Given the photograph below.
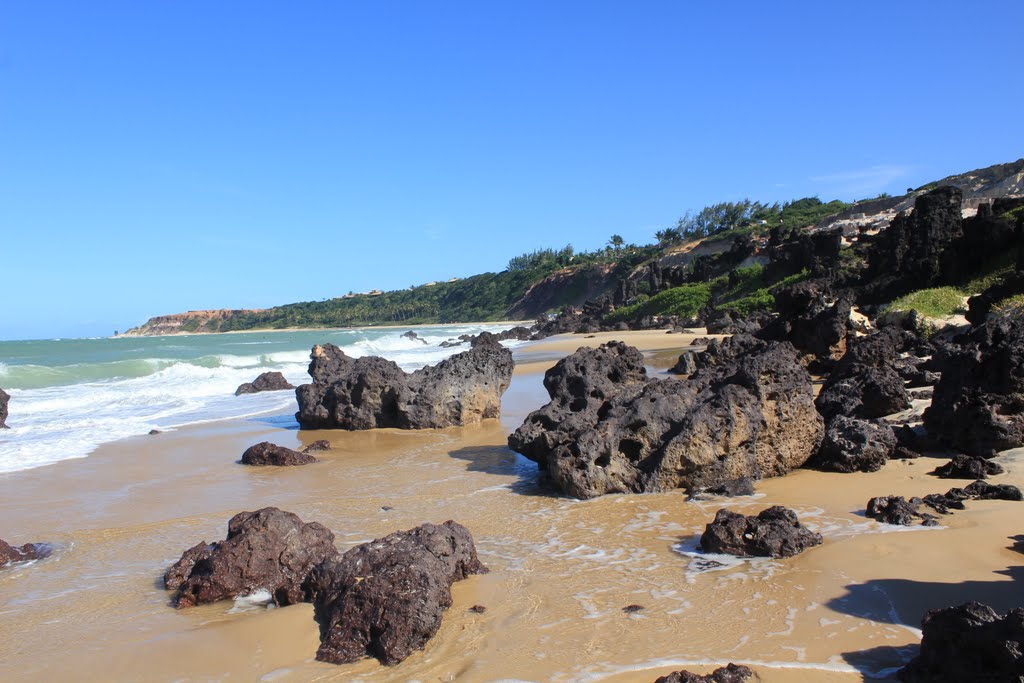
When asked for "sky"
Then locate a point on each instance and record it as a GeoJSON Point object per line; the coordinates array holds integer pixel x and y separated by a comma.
{"type": "Point", "coordinates": [158, 157]}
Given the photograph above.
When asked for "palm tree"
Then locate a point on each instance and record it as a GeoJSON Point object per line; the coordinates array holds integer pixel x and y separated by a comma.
{"type": "Point", "coordinates": [616, 242]}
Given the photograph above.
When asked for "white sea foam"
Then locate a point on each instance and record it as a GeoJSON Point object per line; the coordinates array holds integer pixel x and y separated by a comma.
{"type": "Point", "coordinates": [65, 410]}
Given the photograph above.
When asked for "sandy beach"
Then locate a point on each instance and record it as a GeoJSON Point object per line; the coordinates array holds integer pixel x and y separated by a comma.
{"type": "Point", "coordinates": [561, 569]}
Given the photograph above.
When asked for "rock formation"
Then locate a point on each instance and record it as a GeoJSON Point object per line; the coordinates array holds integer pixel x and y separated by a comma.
{"type": "Point", "coordinates": [774, 532]}
{"type": "Point", "coordinates": [318, 446]}
{"type": "Point", "coordinates": [412, 336]}
{"type": "Point", "coordinates": [22, 553]}
{"type": "Point", "coordinates": [609, 429]}
{"type": "Point", "coordinates": [978, 405]}
{"type": "Point", "coordinates": [268, 381]}
{"type": "Point", "coordinates": [733, 673]}
{"type": "Point", "coordinates": [371, 392]}
{"type": "Point", "coordinates": [854, 445]}
{"type": "Point", "coordinates": [385, 598]}
{"type": "Point", "coordinates": [970, 642]}
{"type": "Point", "coordinates": [967, 467]}
{"type": "Point", "coordinates": [269, 549]}
{"type": "Point", "coordinates": [4, 399]}
{"type": "Point", "coordinates": [811, 318]}
{"type": "Point", "coordinates": [266, 453]}
{"type": "Point", "coordinates": [899, 510]}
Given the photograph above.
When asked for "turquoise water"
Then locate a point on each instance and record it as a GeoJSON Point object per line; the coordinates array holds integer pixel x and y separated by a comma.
{"type": "Point", "coordinates": [68, 396]}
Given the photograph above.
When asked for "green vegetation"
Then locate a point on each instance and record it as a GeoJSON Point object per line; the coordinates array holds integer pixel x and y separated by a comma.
{"type": "Point", "coordinates": [752, 291]}
{"type": "Point", "coordinates": [683, 301]}
{"type": "Point", "coordinates": [939, 302]}
{"type": "Point", "coordinates": [1011, 308]}
{"type": "Point", "coordinates": [993, 273]}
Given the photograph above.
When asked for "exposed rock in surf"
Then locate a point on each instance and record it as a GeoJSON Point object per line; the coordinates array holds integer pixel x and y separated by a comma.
{"type": "Point", "coordinates": [978, 404]}
{"type": "Point", "coordinates": [608, 429]}
{"type": "Point", "coordinates": [899, 510]}
{"type": "Point", "coordinates": [412, 336]}
{"type": "Point", "coordinates": [266, 453]}
{"type": "Point", "coordinates": [4, 400]}
{"type": "Point", "coordinates": [266, 550]}
{"type": "Point", "coordinates": [969, 642]}
{"type": "Point", "coordinates": [371, 392]}
{"type": "Point", "coordinates": [318, 446]}
{"type": "Point", "coordinates": [268, 381]}
{"type": "Point", "coordinates": [967, 467]}
{"type": "Point", "coordinates": [744, 486]}
{"type": "Point", "coordinates": [22, 553]}
{"type": "Point", "coordinates": [733, 673]}
{"type": "Point", "coordinates": [775, 532]}
{"type": "Point", "coordinates": [854, 445]}
{"type": "Point", "coordinates": [385, 598]}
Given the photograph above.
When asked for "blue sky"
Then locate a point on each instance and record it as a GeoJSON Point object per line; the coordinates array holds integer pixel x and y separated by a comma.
{"type": "Point", "coordinates": [157, 157]}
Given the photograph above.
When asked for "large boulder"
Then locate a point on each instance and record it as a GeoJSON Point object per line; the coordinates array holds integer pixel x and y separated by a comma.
{"type": "Point", "coordinates": [21, 553]}
{"type": "Point", "coordinates": [266, 550]}
{"type": "Point", "coordinates": [854, 445]}
{"type": "Point", "coordinates": [266, 453]}
{"type": "Point", "coordinates": [774, 532]}
{"type": "Point", "coordinates": [978, 404]}
{"type": "Point", "coordinates": [4, 399]}
{"type": "Point", "coordinates": [811, 318]}
{"type": "Point", "coordinates": [372, 392]}
{"type": "Point", "coordinates": [268, 381]}
{"type": "Point", "coordinates": [733, 673]}
{"type": "Point", "coordinates": [967, 467]}
{"type": "Point", "coordinates": [970, 642]}
{"type": "Point", "coordinates": [609, 429]}
{"type": "Point", "coordinates": [385, 598]}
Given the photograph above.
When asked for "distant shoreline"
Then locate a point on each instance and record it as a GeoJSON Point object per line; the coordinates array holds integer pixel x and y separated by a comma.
{"type": "Point", "coordinates": [328, 329]}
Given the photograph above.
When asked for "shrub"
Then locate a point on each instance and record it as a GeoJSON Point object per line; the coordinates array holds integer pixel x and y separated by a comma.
{"type": "Point", "coordinates": [939, 302]}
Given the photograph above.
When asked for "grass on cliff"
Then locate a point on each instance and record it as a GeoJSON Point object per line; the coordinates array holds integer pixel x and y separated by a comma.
{"type": "Point", "coordinates": [940, 302]}
{"type": "Point", "coordinates": [1011, 308]}
{"type": "Point", "coordinates": [751, 290]}
{"type": "Point", "coordinates": [683, 301]}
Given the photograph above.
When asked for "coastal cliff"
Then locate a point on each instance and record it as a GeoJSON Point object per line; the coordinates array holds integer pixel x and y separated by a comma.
{"type": "Point", "coordinates": [186, 323]}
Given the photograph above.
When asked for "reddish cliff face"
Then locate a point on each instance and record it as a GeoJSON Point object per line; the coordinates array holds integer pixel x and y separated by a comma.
{"type": "Point", "coordinates": [185, 323]}
{"type": "Point", "coordinates": [566, 287]}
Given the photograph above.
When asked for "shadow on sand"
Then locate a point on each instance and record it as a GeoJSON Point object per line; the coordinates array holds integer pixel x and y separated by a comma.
{"type": "Point", "coordinates": [501, 460]}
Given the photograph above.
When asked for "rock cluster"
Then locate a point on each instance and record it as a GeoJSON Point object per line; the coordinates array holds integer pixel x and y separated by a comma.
{"type": "Point", "coordinates": [733, 673]}
{"type": "Point", "coordinates": [854, 445]}
{"type": "Point", "coordinates": [969, 642]}
{"type": "Point", "coordinates": [268, 381]}
{"type": "Point", "coordinates": [898, 510]}
{"type": "Point", "coordinates": [608, 428]}
{"type": "Point", "coordinates": [967, 467]}
{"type": "Point", "coordinates": [774, 532]}
{"type": "Point", "coordinates": [978, 405]}
{"type": "Point", "coordinates": [266, 550]}
{"type": "Point", "coordinates": [266, 453]}
{"type": "Point", "coordinates": [385, 598]}
{"type": "Point", "coordinates": [371, 392]}
{"type": "Point", "coordinates": [23, 553]}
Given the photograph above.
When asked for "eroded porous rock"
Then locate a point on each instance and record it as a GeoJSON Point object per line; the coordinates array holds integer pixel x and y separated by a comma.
{"type": "Point", "coordinates": [371, 392]}
{"type": "Point", "coordinates": [318, 446]}
{"type": "Point", "coordinates": [775, 532]}
{"type": "Point", "coordinates": [266, 453]}
{"type": "Point", "coordinates": [969, 642]}
{"type": "Point", "coordinates": [978, 404]}
{"type": "Point", "coordinates": [385, 598]}
{"type": "Point", "coordinates": [4, 400]}
{"type": "Point", "coordinates": [812, 318]}
{"type": "Point", "coordinates": [967, 467]}
{"type": "Point", "coordinates": [733, 673]}
{"type": "Point", "coordinates": [854, 445]}
{"type": "Point", "coordinates": [268, 381]}
{"type": "Point", "coordinates": [899, 510]}
{"type": "Point", "coordinates": [266, 550]}
{"type": "Point", "coordinates": [21, 553]}
{"type": "Point", "coordinates": [609, 429]}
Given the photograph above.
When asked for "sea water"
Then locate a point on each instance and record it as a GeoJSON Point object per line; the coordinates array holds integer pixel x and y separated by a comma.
{"type": "Point", "coordinates": [68, 396]}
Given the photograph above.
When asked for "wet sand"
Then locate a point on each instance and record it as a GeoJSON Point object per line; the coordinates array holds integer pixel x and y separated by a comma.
{"type": "Point", "coordinates": [561, 570]}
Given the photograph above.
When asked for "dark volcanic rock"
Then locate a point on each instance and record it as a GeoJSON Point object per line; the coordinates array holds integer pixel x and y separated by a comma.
{"type": "Point", "coordinates": [980, 305]}
{"type": "Point", "coordinates": [4, 399]}
{"type": "Point", "coordinates": [811, 319]}
{"type": "Point", "coordinates": [372, 392]}
{"type": "Point", "coordinates": [967, 467]}
{"type": "Point", "coordinates": [268, 381]}
{"type": "Point", "coordinates": [898, 510]}
{"type": "Point", "coordinates": [774, 532]}
{"type": "Point", "coordinates": [412, 336]}
{"type": "Point", "coordinates": [385, 598]}
{"type": "Point", "coordinates": [23, 553]}
{"type": "Point", "coordinates": [970, 642]}
{"type": "Point", "coordinates": [863, 391]}
{"type": "Point", "coordinates": [266, 453]}
{"type": "Point", "coordinates": [978, 405]}
{"type": "Point", "coordinates": [609, 429]}
{"type": "Point", "coordinates": [318, 446]}
{"type": "Point", "coordinates": [733, 673]}
{"type": "Point", "coordinates": [854, 445]}
{"type": "Point", "coordinates": [269, 550]}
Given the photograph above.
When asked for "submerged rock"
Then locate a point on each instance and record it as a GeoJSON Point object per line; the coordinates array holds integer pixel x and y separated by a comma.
{"type": "Point", "coordinates": [775, 532]}
{"type": "Point", "coordinates": [371, 392]}
{"type": "Point", "coordinates": [23, 553]}
{"type": "Point", "coordinates": [4, 400]}
{"type": "Point", "coordinates": [268, 381]}
{"type": "Point", "coordinates": [970, 642]}
{"type": "Point", "coordinates": [385, 598]}
{"type": "Point", "coordinates": [733, 673]}
{"type": "Point", "coordinates": [266, 453]}
{"type": "Point", "coordinates": [978, 404]}
{"type": "Point", "coordinates": [412, 336]}
{"type": "Point", "coordinates": [266, 550]}
{"type": "Point", "coordinates": [609, 429]}
{"type": "Point", "coordinates": [967, 467]}
{"type": "Point", "coordinates": [318, 446]}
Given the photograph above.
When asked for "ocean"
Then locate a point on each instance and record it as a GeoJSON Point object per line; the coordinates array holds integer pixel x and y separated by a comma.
{"type": "Point", "coordinates": [68, 396]}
